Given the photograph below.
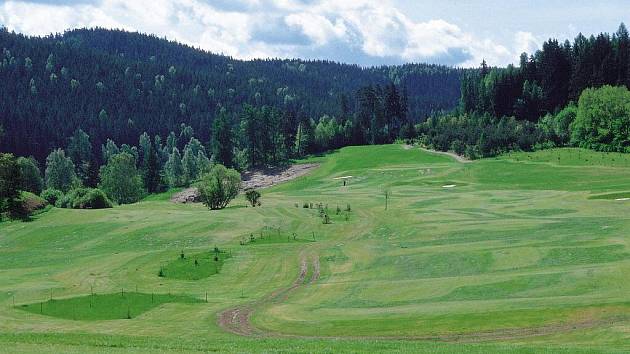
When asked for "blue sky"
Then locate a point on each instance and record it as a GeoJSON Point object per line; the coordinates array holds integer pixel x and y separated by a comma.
{"type": "Point", "coordinates": [365, 32]}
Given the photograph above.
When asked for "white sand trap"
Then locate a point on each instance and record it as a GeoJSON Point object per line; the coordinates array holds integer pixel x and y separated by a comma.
{"type": "Point", "coordinates": [344, 177]}
{"type": "Point", "coordinates": [622, 199]}
{"type": "Point", "coordinates": [449, 186]}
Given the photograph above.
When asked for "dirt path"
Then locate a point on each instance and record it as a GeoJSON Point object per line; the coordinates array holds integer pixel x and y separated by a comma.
{"type": "Point", "coordinates": [446, 153]}
{"type": "Point", "coordinates": [256, 179]}
{"type": "Point", "coordinates": [188, 195]}
{"type": "Point", "coordinates": [263, 178]}
{"type": "Point", "coordinates": [238, 319]}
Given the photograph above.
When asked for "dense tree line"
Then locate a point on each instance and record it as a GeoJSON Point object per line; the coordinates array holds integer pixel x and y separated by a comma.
{"type": "Point", "coordinates": [116, 85]}
{"type": "Point", "coordinates": [546, 81]}
{"type": "Point", "coordinates": [82, 175]}
{"type": "Point", "coordinates": [564, 94]}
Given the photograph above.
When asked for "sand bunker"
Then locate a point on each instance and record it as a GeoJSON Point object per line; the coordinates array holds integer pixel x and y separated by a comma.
{"type": "Point", "coordinates": [449, 186]}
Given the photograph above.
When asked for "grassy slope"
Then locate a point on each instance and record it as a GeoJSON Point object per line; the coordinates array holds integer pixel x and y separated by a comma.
{"type": "Point", "coordinates": [517, 244]}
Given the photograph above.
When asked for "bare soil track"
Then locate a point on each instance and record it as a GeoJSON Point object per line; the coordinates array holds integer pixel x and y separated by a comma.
{"type": "Point", "coordinates": [263, 178]}
{"type": "Point", "coordinates": [238, 319]}
{"type": "Point", "coordinates": [254, 179]}
{"type": "Point", "coordinates": [459, 158]}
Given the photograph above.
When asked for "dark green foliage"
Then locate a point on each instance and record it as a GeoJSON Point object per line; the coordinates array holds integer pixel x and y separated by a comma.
{"type": "Point", "coordinates": [253, 197]}
{"type": "Point", "coordinates": [10, 183]}
{"type": "Point", "coordinates": [548, 80]}
{"type": "Point", "coordinates": [30, 175]}
{"type": "Point", "coordinates": [556, 128]}
{"type": "Point", "coordinates": [477, 135]}
{"type": "Point", "coordinates": [51, 195]}
{"type": "Point", "coordinates": [105, 306]}
{"type": "Point", "coordinates": [222, 139]}
{"type": "Point", "coordinates": [151, 170]}
{"type": "Point", "coordinates": [541, 91]}
{"type": "Point", "coordinates": [117, 85]}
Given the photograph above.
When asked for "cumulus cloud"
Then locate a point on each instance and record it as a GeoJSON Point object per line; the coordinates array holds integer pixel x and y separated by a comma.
{"type": "Point", "coordinates": [366, 32]}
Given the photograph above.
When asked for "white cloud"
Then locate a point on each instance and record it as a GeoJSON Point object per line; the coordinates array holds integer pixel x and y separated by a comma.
{"type": "Point", "coordinates": [317, 27]}
{"type": "Point", "coordinates": [364, 31]}
{"type": "Point", "coordinates": [525, 42]}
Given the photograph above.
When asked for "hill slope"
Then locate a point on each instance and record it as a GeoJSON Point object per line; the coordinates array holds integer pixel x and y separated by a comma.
{"type": "Point", "coordinates": [116, 84]}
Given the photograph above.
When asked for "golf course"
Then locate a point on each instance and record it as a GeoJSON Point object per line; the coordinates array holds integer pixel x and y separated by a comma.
{"type": "Point", "coordinates": [386, 248]}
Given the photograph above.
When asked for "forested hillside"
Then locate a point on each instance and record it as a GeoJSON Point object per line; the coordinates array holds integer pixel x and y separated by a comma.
{"type": "Point", "coordinates": [117, 85]}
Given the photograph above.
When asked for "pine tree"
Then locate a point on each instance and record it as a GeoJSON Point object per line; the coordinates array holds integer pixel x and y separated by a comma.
{"type": "Point", "coordinates": [10, 184]}
{"type": "Point", "coordinates": [222, 141]}
{"type": "Point", "coordinates": [151, 170]}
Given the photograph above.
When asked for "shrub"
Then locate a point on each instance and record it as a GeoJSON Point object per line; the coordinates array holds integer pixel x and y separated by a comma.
{"type": "Point", "coordinates": [253, 196]}
{"type": "Point", "coordinates": [19, 208]}
{"type": "Point", "coordinates": [52, 195]}
{"type": "Point", "coordinates": [32, 202]}
{"type": "Point", "coordinates": [602, 119]}
{"type": "Point", "coordinates": [93, 199]}
{"type": "Point", "coordinates": [84, 198]}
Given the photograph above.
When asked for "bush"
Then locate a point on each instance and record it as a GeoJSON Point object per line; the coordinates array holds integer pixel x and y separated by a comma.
{"type": "Point", "coordinates": [602, 119]}
{"type": "Point", "coordinates": [52, 195]}
{"type": "Point", "coordinates": [218, 187]}
{"type": "Point", "coordinates": [18, 209]}
{"type": "Point", "coordinates": [120, 179]}
{"type": "Point", "coordinates": [65, 201]}
{"type": "Point", "coordinates": [93, 199]}
{"type": "Point", "coordinates": [253, 196]}
{"type": "Point", "coordinates": [30, 203]}
{"type": "Point", "coordinates": [84, 198]}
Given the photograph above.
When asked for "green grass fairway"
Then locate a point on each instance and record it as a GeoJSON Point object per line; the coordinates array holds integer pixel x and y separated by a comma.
{"type": "Point", "coordinates": [523, 253]}
{"type": "Point", "coordinates": [106, 306]}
